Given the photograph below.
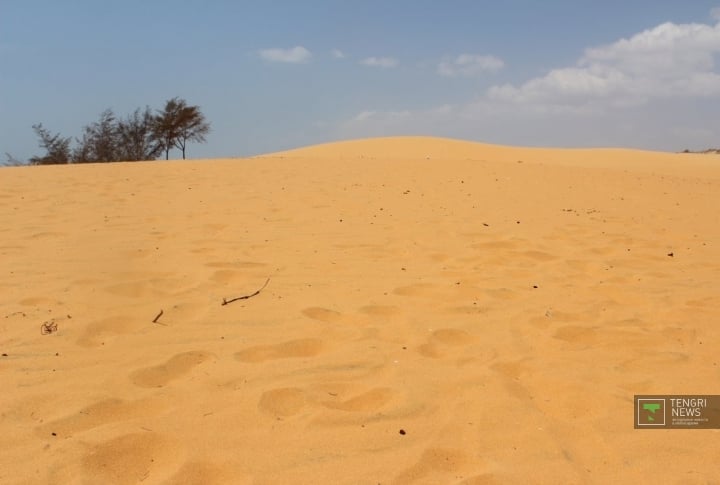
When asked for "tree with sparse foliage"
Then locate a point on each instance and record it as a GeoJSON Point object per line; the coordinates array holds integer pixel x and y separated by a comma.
{"type": "Point", "coordinates": [57, 148]}
{"type": "Point", "coordinates": [11, 161]}
{"type": "Point", "coordinates": [136, 139]}
{"type": "Point", "coordinates": [100, 141]}
{"type": "Point", "coordinates": [179, 124]}
{"type": "Point", "coordinates": [140, 136]}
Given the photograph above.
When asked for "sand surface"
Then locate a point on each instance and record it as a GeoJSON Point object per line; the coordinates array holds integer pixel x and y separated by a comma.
{"type": "Point", "coordinates": [501, 306]}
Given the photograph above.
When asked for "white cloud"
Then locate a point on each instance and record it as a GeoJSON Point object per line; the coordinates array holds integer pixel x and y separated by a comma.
{"type": "Point", "coordinates": [657, 89]}
{"type": "Point", "coordinates": [364, 115]}
{"type": "Point", "coordinates": [371, 123]}
{"type": "Point", "coordinates": [294, 55]}
{"type": "Point", "coordinates": [338, 54]}
{"type": "Point", "coordinates": [715, 13]}
{"type": "Point", "coordinates": [470, 65]}
{"type": "Point", "coordinates": [386, 62]}
{"type": "Point", "coordinates": [668, 61]}
{"type": "Point", "coordinates": [382, 116]}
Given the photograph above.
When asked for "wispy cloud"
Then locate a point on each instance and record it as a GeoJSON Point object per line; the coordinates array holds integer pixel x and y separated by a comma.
{"type": "Point", "coordinates": [294, 55]}
{"type": "Point", "coordinates": [373, 116]}
{"type": "Point", "coordinates": [386, 62]}
{"type": "Point", "coordinates": [470, 65]}
{"type": "Point", "coordinates": [337, 54]}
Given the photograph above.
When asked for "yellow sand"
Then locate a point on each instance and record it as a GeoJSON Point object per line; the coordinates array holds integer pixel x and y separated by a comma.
{"type": "Point", "coordinates": [402, 296]}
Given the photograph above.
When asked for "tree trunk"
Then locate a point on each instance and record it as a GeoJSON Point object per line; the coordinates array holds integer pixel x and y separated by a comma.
{"type": "Point", "coordinates": [182, 146]}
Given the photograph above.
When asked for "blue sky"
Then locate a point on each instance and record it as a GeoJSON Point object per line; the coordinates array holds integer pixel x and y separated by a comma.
{"type": "Point", "coordinates": [271, 75]}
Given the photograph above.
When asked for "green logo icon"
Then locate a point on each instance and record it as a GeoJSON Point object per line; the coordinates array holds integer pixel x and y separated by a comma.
{"type": "Point", "coordinates": [652, 407]}
{"type": "Point", "coordinates": [650, 412]}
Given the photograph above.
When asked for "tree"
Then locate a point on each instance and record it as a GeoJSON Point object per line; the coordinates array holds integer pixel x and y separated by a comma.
{"type": "Point", "coordinates": [57, 148]}
{"type": "Point", "coordinates": [192, 127]}
{"type": "Point", "coordinates": [100, 141]}
{"type": "Point", "coordinates": [139, 136]}
{"type": "Point", "coordinates": [164, 129]}
{"type": "Point", "coordinates": [179, 124]}
{"type": "Point", "coordinates": [11, 161]}
{"type": "Point", "coordinates": [136, 140]}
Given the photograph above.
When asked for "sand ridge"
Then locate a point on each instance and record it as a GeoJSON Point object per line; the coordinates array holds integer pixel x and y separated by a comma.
{"type": "Point", "coordinates": [438, 311]}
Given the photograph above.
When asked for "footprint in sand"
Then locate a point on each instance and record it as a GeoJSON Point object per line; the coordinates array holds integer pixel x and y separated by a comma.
{"type": "Point", "coordinates": [511, 369]}
{"type": "Point", "coordinates": [287, 401]}
{"type": "Point", "coordinates": [46, 234]}
{"type": "Point", "coordinates": [618, 337]}
{"type": "Point", "coordinates": [127, 459]}
{"type": "Point", "coordinates": [36, 301]}
{"type": "Point", "coordinates": [187, 311]}
{"type": "Point", "coordinates": [229, 276]}
{"type": "Point", "coordinates": [214, 227]}
{"type": "Point", "coordinates": [286, 350]}
{"type": "Point", "coordinates": [651, 361]}
{"type": "Point", "coordinates": [469, 309]}
{"type": "Point", "coordinates": [438, 257]}
{"type": "Point", "coordinates": [195, 472]}
{"type": "Point", "coordinates": [501, 293]}
{"type": "Point", "coordinates": [99, 414]}
{"type": "Point", "coordinates": [97, 332]}
{"type": "Point", "coordinates": [380, 310]}
{"type": "Point", "coordinates": [130, 289]}
{"type": "Point", "coordinates": [539, 256]}
{"type": "Point", "coordinates": [157, 285]}
{"type": "Point", "coordinates": [484, 479]}
{"type": "Point", "coordinates": [492, 245]}
{"type": "Point", "coordinates": [510, 373]}
{"type": "Point", "coordinates": [417, 289]}
{"type": "Point", "coordinates": [177, 366]}
{"type": "Point", "coordinates": [442, 341]}
{"type": "Point", "coordinates": [706, 303]}
{"type": "Point", "coordinates": [576, 334]}
{"type": "Point", "coordinates": [235, 265]}
{"type": "Point", "coordinates": [322, 314]}
{"type": "Point", "coordinates": [436, 465]}
{"type": "Point", "coordinates": [371, 400]}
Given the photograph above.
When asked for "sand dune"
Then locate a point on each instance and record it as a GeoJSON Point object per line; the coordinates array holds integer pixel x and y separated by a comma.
{"type": "Point", "coordinates": [437, 312]}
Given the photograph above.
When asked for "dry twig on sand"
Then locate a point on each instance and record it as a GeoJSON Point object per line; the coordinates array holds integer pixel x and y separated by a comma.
{"type": "Point", "coordinates": [155, 320]}
{"type": "Point", "coordinates": [225, 302]}
{"type": "Point", "coordinates": [48, 327]}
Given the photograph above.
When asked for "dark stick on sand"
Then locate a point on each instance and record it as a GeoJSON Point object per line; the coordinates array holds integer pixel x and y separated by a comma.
{"type": "Point", "coordinates": [225, 302]}
{"type": "Point", "coordinates": [155, 320]}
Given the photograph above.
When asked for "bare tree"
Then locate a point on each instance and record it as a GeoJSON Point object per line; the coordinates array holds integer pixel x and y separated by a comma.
{"type": "Point", "coordinates": [11, 161]}
{"type": "Point", "coordinates": [57, 148]}
{"type": "Point", "coordinates": [179, 124]}
{"type": "Point", "coordinates": [136, 140]}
